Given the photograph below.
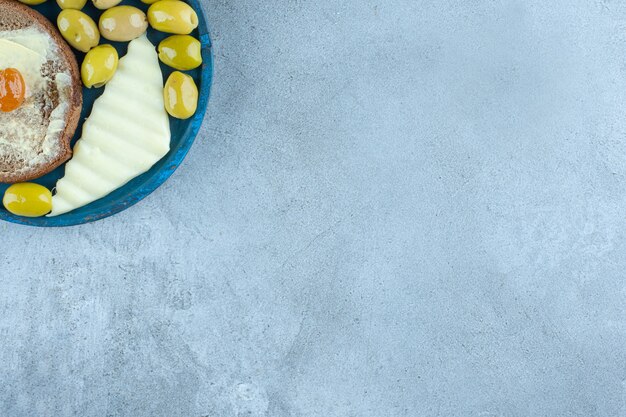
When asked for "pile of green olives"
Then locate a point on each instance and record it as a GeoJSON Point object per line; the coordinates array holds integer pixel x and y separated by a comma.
{"type": "Point", "coordinates": [121, 23]}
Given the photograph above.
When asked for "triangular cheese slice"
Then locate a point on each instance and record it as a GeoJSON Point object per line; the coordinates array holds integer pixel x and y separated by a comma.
{"type": "Point", "coordinates": [127, 132]}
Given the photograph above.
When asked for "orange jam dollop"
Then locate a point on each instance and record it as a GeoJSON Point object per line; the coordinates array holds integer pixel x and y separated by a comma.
{"type": "Point", "coordinates": [12, 89]}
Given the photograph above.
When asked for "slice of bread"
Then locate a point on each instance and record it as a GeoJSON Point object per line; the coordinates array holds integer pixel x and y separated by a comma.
{"type": "Point", "coordinates": [35, 138]}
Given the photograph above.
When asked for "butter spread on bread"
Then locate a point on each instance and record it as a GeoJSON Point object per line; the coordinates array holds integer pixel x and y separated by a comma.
{"type": "Point", "coordinates": [31, 141]}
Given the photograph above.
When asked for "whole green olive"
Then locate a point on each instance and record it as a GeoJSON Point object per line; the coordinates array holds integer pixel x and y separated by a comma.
{"type": "Point", "coordinates": [99, 66]}
{"type": "Point", "coordinates": [182, 52]}
{"type": "Point", "coordinates": [123, 23]}
{"type": "Point", "coordinates": [71, 4]}
{"type": "Point", "coordinates": [78, 29]}
{"type": "Point", "coordinates": [180, 95]}
{"type": "Point", "coordinates": [172, 16]}
{"type": "Point", "coordinates": [27, 199]}
{"type": "Point", "coordinates": [33, 2]}
{"type": "Point", "coordinates": [105, 4]}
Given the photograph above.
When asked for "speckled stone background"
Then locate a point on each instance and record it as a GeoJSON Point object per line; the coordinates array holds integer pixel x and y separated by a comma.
{"type": "Point", "coordinates": [394, 208]}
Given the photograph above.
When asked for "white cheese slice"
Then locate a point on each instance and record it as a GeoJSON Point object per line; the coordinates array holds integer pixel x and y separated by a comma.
{"type": "Point", "coordinates": [126, 134]}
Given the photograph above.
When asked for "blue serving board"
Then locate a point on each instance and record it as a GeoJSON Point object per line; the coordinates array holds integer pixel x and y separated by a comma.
{"type": "Point", "coordinates": [183, 131]}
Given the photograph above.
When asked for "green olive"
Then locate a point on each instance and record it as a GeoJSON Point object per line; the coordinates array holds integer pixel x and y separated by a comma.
{"type": "Point", "coordinates": [99, 66]}
{"type": "Point", "coordinates": [180, 95]}
{"type": "Point", "coordinates": [182, 52]}
{"type": "Point", "coordinates": [71, 4]}
{"type": "Point", "coordinates": [123, 23]}
{"type": "Point", "coordinates": [172, 16]}
{"type": "Point", "coordinates": [78, 29]}
{"type": "Point", "coordinates": [27, 199]}
{"type": "Point", "coordinates": [149, 1]}
{"type": "Point", "coordinates": [33, 2]}
{"type": "Point", "coordinates": [105, 4]}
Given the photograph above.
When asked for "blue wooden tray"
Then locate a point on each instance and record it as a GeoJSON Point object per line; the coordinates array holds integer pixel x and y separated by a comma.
{"type": "Point", "coordinates": [183, 131]}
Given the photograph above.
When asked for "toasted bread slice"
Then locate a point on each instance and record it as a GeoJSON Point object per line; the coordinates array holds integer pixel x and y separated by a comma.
{"type": "Point", "coordinates": [35, 138]}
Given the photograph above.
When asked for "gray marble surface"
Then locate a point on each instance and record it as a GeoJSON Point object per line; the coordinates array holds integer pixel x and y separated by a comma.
{"type": "Point", "coordinates": [394, 208]}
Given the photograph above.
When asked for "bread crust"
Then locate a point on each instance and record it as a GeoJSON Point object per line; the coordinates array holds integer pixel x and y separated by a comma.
{"type": "Point", "coordinates": [72, 117]}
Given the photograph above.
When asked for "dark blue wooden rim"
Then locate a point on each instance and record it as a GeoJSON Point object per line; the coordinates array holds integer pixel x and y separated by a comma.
{"type": "Point", "coordinates": [174, 158]}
